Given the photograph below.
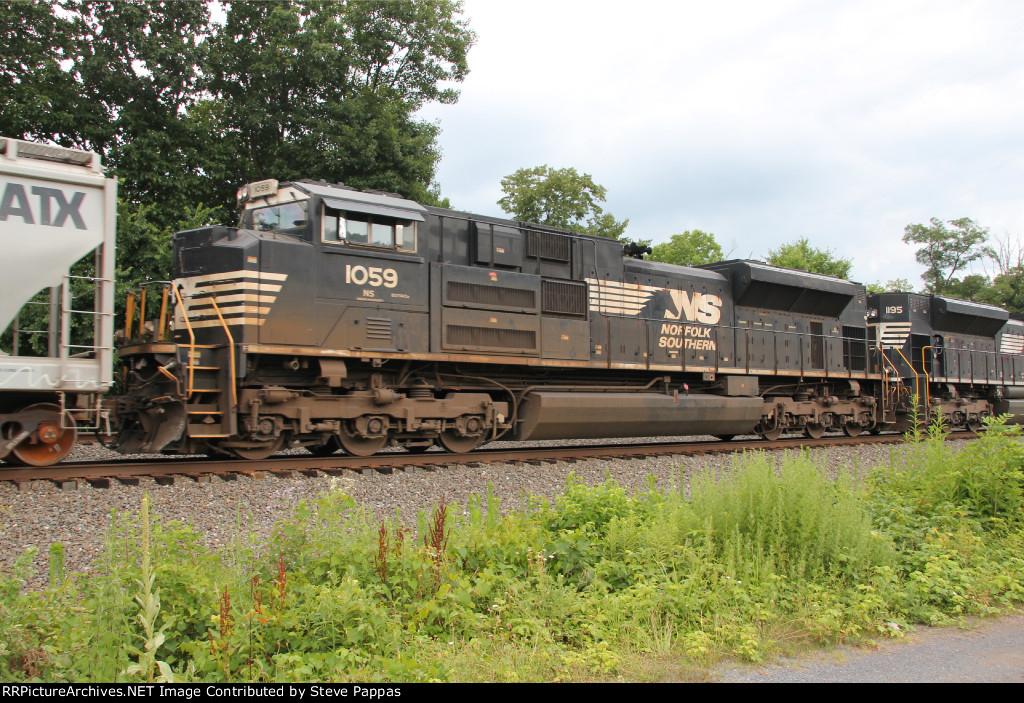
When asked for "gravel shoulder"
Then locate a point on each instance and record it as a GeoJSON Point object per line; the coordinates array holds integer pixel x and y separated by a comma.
{"type": "Point", "coordinates": [979, 651]}
{"type": "Point", "coordinates": [221, 510]}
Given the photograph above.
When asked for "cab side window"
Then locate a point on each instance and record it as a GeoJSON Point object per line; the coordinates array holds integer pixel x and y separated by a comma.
{"type": "Point", "coordinates": [288, 217]}
{"type": "Point", "coordinates": [363, 229]}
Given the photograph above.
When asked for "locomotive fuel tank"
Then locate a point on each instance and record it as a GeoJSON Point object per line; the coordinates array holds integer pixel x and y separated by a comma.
{"type": "Point", "coordinates": [558, 415]}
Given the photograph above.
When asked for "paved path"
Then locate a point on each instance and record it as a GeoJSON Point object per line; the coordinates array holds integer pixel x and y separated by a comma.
{"type": "Point", "coordinates": [987, 651]}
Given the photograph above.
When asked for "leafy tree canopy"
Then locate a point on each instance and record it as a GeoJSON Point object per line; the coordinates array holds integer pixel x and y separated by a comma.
{"type": "Point", "coordinates": [185, 110]}
{"type": "Point", "coordinates": [896, 285]}
{"type": "Point", "coordinates": [946, 251]}
{"type": "Point", "coordinates": [561, 198]}
{"type": "Point", "coordinates": [801, 255]}
{"type": "Point", "coordinates": [691, 248]}
{"type": "Point", "coordinates": [1006, 291]}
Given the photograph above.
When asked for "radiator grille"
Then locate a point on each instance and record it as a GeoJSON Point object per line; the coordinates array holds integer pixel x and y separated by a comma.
{"type": "Point", "coordinates": [564, 298]}
{"type": "Point", "coordinates": [855, 348]}
{"type": "Point", "coordinates": [475, 293]}
{"type": "Point", "coordinates": [555, 247]}
{"type": "Point", "coordinates": [490, 337]}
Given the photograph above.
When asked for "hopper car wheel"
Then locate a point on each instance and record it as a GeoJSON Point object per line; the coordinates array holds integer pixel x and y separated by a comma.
{"type": "Point", "coordinates": [49, 444]}
{"type": "Point", "coordinates": [973, 426]}
{"type": "Point", "coordinates": [262, 451]}
{"type": "Point", "coordinates": [878, 428]}
{"type": "Point", "coordinates": [771, 435]}
{"type": "Point", "coordinates": [331, 446]}
{"type": "Point", "coordinates": [725, 437]}
{"type": "Point", "coordinates": [814, 430]}
{"type": "Point", "coordinates": [360, 446]}
{"type": "Point", "coordinates": [459, 444]}
{"type": "Point", "coordinates": [852, 429]}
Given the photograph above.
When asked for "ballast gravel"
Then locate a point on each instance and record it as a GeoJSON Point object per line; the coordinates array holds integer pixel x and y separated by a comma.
{"type": "Point", "coordinates": [221, 510]}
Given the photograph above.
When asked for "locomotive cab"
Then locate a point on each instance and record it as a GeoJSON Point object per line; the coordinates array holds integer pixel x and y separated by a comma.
{"type": "Point", "coordinates": [942, 357]}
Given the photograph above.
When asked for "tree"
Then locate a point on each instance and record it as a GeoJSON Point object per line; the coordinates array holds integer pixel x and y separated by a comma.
{"type": "Point", "coordinates": [1005, 291]}
{"type": "Point", "coordinates": [691, 248]}
{"type": "Point", "coordinates": [801, 255]}
{"type": "Point", "coordinates": [561, 198]}
{"type": "Point", "coordinates": [896, 285]}
{"type": "Point", "coordinates": [946, 251]}
{"type": "Point", "coordinates": [330, 90]}
{"type": "Point", "coordinates": [183, 111]}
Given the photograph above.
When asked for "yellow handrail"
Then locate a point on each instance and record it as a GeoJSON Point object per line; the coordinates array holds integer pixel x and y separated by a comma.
{"type": "Point", "coordinates": [142, 314]}
{"type": "Point", "coordinates": [231, 353]}
{"type": "Point", "coordinates": [162, 322]}
{"type": "Point", "coordinates": [129, 314]}
{"type": "Point", "coordinates": [917, 382]}
{"type": "Point", "coordinates": [191, 341]}
{"type": "Point", "coordinates": [924, 365]}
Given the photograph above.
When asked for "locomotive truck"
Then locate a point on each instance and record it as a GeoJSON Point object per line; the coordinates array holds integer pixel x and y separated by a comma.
{"type": "Point", "coordinates": [335, 319]}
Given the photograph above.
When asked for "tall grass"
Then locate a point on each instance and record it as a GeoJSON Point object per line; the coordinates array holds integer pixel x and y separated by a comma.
{"type": "Point", "coordinates": [602, 583]}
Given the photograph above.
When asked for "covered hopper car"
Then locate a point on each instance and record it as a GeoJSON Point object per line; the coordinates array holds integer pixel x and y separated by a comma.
{"type": "Point", "coordinates": [335, 319]}
{"type": "Point", "coordinates": [57, 213]}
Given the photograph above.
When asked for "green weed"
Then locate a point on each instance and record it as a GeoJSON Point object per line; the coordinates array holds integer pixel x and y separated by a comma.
{"type": "Point", "coordinates": [602, 584]}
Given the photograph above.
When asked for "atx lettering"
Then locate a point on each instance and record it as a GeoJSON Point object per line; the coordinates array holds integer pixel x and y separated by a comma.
{"type": "Point", "coordinates": [53, 207]}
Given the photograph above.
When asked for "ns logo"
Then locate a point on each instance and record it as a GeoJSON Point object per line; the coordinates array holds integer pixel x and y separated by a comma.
{"type": "Point", "coordinates": [681, 305]}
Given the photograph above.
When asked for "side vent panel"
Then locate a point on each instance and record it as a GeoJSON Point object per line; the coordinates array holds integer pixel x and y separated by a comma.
{"type": "Point", "coordinates": [378, 328]}
{"type": "Point", "coordinates": [481, 331]}
{"type": "Point", "coordinates": [490, 338]}
{"type": "Point", "coordinates": [486, 289]}
{"type": "Point", "coordinates": [477, 295]}
{"type": "Point", "coordinates": [545, 245]}
{"type": "Point", "coordinates": [564, 298]}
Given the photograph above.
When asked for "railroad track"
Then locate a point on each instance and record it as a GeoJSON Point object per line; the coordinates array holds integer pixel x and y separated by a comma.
{"type": "Point", "coordinates": [167, 470]}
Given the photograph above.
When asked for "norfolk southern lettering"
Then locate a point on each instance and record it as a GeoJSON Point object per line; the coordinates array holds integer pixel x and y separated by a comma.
{"type": "Point", "coordinates": [46, 206]}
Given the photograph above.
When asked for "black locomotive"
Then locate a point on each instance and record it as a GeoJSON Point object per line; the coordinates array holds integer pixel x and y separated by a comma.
{"type": "Point", "coordinates": [338, 319]}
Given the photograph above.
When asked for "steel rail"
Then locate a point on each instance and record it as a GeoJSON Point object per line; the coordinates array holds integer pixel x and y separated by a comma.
{"type": "Point", "coordinates": [162, 469]}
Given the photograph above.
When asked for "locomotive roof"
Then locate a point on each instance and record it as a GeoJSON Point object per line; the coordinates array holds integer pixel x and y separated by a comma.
{"type": "Point", "coordinates": [963, 316]}
{"type": "Point", "coordinates": [340, 193]}
{"type": "Point", "coordinates": [758, 284]}
{"type": "Point", "coordinates": [760, 270]}
{"type": "Point", "coordinates": [658, 268]}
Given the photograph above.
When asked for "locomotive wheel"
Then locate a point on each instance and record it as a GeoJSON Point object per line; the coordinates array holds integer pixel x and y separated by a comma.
{"type": "Point", "coordinates": [50, 442]}
{"type": "Point", "coordinates": [814, 430]}
{"type": "Point", "coordinates": [331, 446]}
{"type": "Point", "coordinates": [852, 429]}
{"type": "Point", "coordinates": [459, 444]}
{"type": "Point", "coordinates": [255, 453]}
{"type": "Point", "coordinates": [360, 446]}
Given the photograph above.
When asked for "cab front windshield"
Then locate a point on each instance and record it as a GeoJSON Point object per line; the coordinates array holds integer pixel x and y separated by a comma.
{"type": "Point", "coordinates": [276, 218]}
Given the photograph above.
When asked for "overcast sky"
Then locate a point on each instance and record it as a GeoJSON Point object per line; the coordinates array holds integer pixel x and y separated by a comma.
{"type": "Point", "coordinates": [758, 121]}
